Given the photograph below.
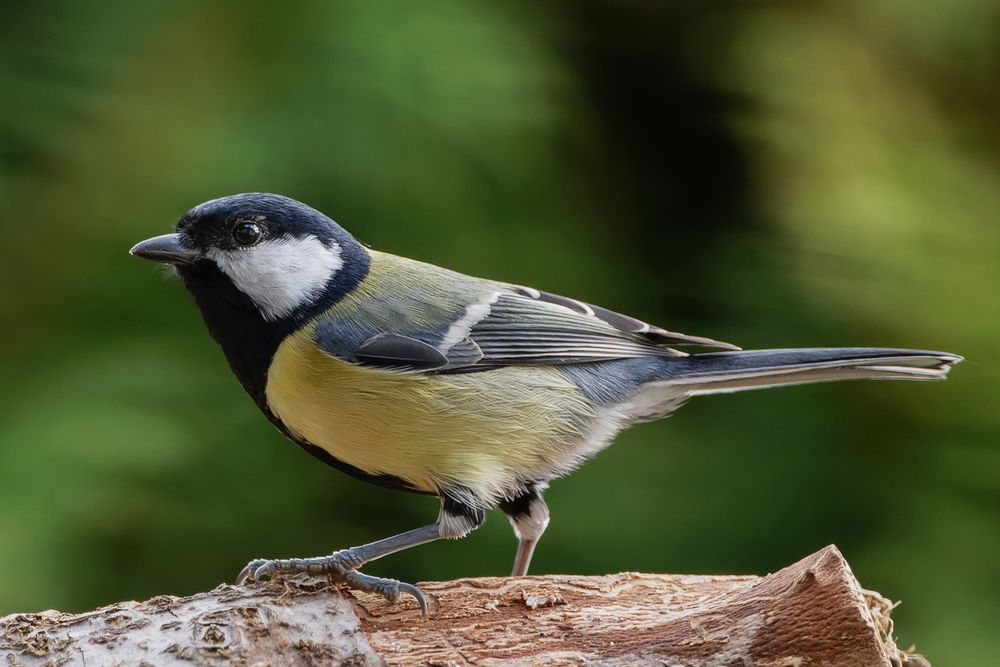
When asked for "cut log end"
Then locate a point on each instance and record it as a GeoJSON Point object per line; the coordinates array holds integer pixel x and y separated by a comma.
{"type": "Point", "coordinates": [811, 613]}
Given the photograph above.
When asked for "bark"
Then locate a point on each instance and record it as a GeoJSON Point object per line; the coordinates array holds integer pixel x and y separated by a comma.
{"type": "Point", "coordinates": [811, 613]}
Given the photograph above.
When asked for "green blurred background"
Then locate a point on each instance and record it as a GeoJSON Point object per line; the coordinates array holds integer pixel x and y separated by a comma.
{"type": "Point", "coordinates": [774, 174]}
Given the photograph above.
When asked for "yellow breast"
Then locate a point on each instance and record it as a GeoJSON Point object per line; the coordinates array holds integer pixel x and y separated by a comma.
{"type": "Point", "coordinates": [484, 431]}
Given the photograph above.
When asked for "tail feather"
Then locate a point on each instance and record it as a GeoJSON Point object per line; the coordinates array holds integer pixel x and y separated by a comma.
{"type": "Point", "coordinates": [724, 372]}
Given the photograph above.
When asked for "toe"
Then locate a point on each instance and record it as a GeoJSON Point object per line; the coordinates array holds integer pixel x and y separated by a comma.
{"type": "Point", "coordinates": [250, 571]}
{"type": "Point", "coordinates": [390, 589]}
{"type": "Point", "coordinates": [264, 569]}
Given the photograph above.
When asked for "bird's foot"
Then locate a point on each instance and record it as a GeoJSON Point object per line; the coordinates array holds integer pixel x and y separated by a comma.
{"type": "Point", "coordinates": [337, 562]}
{"type": "Point", "coordinates": [341, 567]}
{"type": "Point", "coordinates": [390, 589]}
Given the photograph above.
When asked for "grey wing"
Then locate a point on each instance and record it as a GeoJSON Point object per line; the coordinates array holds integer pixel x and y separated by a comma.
{"type": "Point", "coordinates": [521, 326]}
{"type": "Point", "coordinates": [528, 326]}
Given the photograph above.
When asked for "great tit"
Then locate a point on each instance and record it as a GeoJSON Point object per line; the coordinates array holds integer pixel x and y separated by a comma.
{"type": "Point", "coordinates": [422, 379]}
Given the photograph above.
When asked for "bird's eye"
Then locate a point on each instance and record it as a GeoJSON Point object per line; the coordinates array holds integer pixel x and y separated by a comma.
{"type": "Point", "coordinates": [247, 233]}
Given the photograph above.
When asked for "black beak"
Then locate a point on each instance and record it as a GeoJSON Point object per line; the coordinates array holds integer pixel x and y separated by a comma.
{"type": "Point", "coordinates": [167, 249]}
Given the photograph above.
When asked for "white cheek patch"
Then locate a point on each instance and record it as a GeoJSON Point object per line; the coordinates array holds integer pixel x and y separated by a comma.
{"type": "Point", "coordinates": [280, 275]}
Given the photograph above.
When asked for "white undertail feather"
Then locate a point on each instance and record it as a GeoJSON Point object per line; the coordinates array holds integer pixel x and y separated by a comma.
{"type": "Point", "coordinates": [530, 526]}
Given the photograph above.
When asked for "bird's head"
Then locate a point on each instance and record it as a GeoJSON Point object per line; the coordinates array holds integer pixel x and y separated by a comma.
{"type": "Point", "coordinates": [282, 255]}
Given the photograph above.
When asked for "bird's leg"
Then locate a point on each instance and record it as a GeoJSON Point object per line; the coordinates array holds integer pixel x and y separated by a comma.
{"type": "Point", "coordinates": [455, 520]}
{"type": "Point", "coordinates": [529, 515]}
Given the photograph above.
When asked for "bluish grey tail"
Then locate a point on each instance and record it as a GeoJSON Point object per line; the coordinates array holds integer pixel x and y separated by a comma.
{"type": "Point", "coordinates": [722, 372]}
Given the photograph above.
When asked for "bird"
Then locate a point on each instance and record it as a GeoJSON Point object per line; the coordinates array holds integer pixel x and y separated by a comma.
{"type": "Point", "coordinates": [418, 378]}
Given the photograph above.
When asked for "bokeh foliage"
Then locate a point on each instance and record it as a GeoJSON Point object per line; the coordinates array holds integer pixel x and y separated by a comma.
{"type": "Point", "coordinates": [776, 174]}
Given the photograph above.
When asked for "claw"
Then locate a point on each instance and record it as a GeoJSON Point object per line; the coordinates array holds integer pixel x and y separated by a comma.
{"type": "Point", "coordinates": [244, 574]}
{"type": "Point", "coordinates": [251, 571]}
{"type": "Point", "coordinates": [266, 569]}
{"type": "Point", "coordinates": [417, 595]}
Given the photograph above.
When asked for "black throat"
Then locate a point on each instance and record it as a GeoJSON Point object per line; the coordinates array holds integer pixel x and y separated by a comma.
{"type": "Point", "coordinates": [248, 340]}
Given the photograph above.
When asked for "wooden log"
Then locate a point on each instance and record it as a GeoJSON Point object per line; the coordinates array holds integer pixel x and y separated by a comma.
{"type": "Point", "coordinates": [305, 623]}
{"type": "Point", "coordinates": [811, 613]}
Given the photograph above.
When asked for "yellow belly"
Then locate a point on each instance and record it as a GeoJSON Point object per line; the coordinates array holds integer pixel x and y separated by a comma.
{"type": "Point", "coordinates": [485, 431]}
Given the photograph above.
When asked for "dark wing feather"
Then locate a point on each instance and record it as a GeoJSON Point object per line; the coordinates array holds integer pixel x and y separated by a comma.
{"type": "Point", "coordinates": [525, 330]}
{"type": "Point", "coordinates": [526, 326]}
{"type": "Point", "coordinates": [628, 324]}
{"type": "Point", "coordinates": [511, 326]}
{"type": "Point", "coordinates": [399, 352]}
